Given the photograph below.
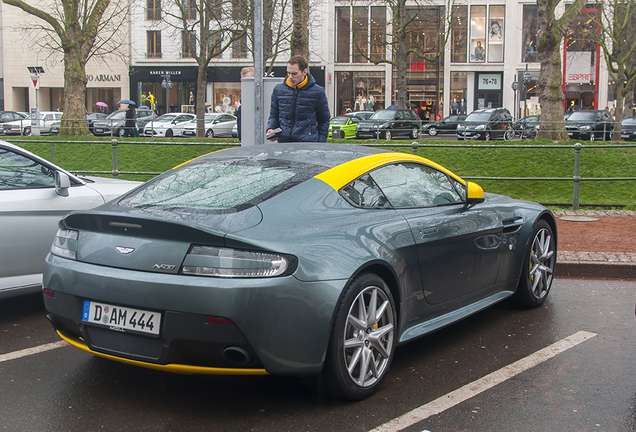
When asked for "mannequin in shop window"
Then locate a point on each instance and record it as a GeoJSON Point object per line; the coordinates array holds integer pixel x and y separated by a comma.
{"type": "Point", "coordinates": [454, 107]}
{"type": "Point", "coordinates": [462, 107]}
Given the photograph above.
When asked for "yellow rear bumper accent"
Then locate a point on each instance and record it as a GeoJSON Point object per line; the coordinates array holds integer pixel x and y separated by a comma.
{"type": "Point", "coordinates": [341, 175]}
{"type": "Point", "coordinates": [175, 368]}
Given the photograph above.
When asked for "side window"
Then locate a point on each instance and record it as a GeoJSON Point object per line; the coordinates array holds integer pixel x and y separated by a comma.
{"type": "Point", "coordinates": [399, 115]}
{"type": "Point", "coordinates": [415, 185]}
{"type": "Point", "coordinates": [20, 172]}
{"type": "Point", "coordinates": [363, 192]}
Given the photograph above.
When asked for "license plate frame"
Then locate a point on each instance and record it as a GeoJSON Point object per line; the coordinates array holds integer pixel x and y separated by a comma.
{"type": "Point", "coordinates": [122, 319]}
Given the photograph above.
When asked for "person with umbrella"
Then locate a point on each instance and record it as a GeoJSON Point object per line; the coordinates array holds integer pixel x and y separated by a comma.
{"type": "Point", "coordinates": [131, 121]}
{"type": "Point", "coordinates": [103, 107]}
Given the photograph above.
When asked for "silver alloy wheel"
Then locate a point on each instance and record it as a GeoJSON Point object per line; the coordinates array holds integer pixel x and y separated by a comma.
{"type": "Point", "coordinates": [432, 131]}
{"type": "Point", "coordinates": [368, 336]}
{"type": "Point", "coordinates": [592, 138]}
{"type": "Point", "coordinates": [387, 135]}
{"type": "Point", "coordinates": [542, 262]}
{"type": "Point", "coordinates": [414, 133]}
{"type": "Point", "coordinates": [209, 133]}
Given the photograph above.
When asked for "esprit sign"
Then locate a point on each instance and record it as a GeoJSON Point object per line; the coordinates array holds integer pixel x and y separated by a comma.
{"type": "Point", "coordinates": [578, 68]}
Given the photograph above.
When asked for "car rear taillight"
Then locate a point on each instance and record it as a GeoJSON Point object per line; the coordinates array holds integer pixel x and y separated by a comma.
{"type": "Point", "coordinates": [65, 243]}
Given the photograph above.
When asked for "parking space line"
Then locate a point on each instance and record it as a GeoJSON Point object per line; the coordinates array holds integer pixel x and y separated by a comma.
{"type": "Point", "coordinates": [30, 351]}
{"type": "Point", "coordinates": [469, 390]}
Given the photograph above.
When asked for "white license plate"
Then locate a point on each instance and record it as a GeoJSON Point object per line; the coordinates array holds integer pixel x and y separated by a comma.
{"type": "Point", "coordinates": [624, 135]}
{"type": "Point", "coordinates": [188, 133]}
{"type": "Point", "coordinates": [121, 319]}
{"type": "Point", "coordinates": [570, 133]}
{"type": "Point", "coordinates": [99, 130]}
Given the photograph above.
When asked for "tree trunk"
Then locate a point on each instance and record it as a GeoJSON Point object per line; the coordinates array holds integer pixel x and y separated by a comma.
{"type": "Point", "coordinates": [300, 35]}
{"type": "Point", "coordinates": [74, 94]}
{"type": "Point", "coordinates": [202, 82]}
{"type": "Point", "coordinates": [402, 97]}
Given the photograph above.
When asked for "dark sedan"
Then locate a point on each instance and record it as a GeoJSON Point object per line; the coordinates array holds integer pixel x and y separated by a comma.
{"type": "Point", "coordinates": [628, 129]}
{"type": "Point", "coordinates": [446, 125]}
{"type": "Point", "coordinates": [312, 260]}
{"type": "Point", "coordinates": [590, 125]}
{"type": "Point", "coordinates": [485, 124]}
{"type": "Point", "coordinates": [390, 123]}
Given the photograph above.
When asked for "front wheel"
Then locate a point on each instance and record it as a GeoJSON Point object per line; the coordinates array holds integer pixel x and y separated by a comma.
{"type": "Point", "coordinates": [387, 135]}
{"type": "Point", "coordinates": [169, 133]}
{"type": "Point", "coordinates": [120, 132]}
{"type": "Point", "coordinates": [414, 133]}
{"type": "Point", "coordinates": [509, 134]}
{"type": "Point", "coordinates": [362, 340]}
{"type": "Point", "coordinates": [432, 131]}
{"type": "Point", "coordinates": [538, 266]}
{"type": "Point", "coordinates": [592, 137]}
{"type": "Point", "coordinates": [209, 133]}
{"type": "Point", "coordinates": [27, 131]}
{"type": "Point", "coordinates": [342, 134]}
{"type": "Point", "coordinates": [487, 136]}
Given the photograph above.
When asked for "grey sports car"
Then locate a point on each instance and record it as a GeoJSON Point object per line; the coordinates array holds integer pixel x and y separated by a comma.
{"type": "Point", "coordinates": [34, 195]}
{"type": "Point", "coordinates": [310, 260]}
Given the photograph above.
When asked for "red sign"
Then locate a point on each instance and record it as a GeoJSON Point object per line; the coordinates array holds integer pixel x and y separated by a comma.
{"type": "Point", "coordinates": [36, 82]}
{"type": "Point", "coordinates": [418, 66]}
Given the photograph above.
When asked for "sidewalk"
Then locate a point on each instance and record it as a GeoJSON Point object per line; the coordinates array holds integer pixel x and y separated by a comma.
{"type": "Point", "coordinates": [614, 265]}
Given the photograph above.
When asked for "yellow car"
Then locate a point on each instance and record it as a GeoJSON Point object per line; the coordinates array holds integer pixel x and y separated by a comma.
{"type": "Point", "coordinates": [343, 127]}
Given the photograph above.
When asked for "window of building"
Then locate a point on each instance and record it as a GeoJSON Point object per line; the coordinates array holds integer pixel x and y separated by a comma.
{"type": "Point", "coordinates": [478, 34]}
{"type": "Point", "coordinates": [239, 47]}
{"type": "Point", "coordinates": [459, 34]}
{"type": "Point", "coordinates": [190, 9]}
{"type": "Point", "coordinates": [378, 32]}
{"type": "Point", "coordinates": [360, 32]}
{"type": "Point", "coordinates": [359, 91]}
{"type": "Point", "coordinates": [496, 34]}
{"type": "Point", "coordinates": [458, 90]}
{"type": "Point", "coordinates": [153, 9]}
{"type": "Point", "coordinates": [154, 44]}
{"type": "Point", "coordinates": [343, 31]}
{"type": "Point", "coordinates": [188, 40]}
{"type": "Point", "coordinates": [529, 32]}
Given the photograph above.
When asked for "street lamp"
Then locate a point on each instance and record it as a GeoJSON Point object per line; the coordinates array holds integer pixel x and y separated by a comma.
{"type": "Point", "coordinates": [166, 84]}
{"type": "Point", "coordinates": [526, 80]}
{"type": "Point", "coordinates": [515, 87]}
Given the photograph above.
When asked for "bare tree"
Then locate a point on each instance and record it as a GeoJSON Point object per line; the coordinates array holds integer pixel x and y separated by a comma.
{"type": "Point", "coordinates": [551, 33]}
{"type": "Point", "coordinates": [79, 30]}
{"type": "Point", "coordinates": [416, 31]}
{"type": "Point", "coordinates": [207, 29]}
{"type": "Point", "coordinates": [277, 31]}
{"type": "Point", "coordinates": [616, 22]}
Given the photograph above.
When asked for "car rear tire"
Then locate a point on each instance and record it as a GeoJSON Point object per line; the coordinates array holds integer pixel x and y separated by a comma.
{"type": "Point", "coordinates": [362, 342]}
{"type": "Point", "coordinates": [209, 133]}
{"type": "Point", "coordinates": [120, 132]}
{"type": "Point", "coordinates": [342, 134]}
{"type": "Point", "coordinates": [414, 133]}
{"type": "Point", "coordinates": [592, 137]}
{"type": "Point", "coordinates": [387, 135]}
{"type": "Point", "coordinates": [169, 133]}
{"type": "Point", "coordinates": [432, 131]}
{"type": "Point", "coordinates": [538, 266]}
{"type": "Point", "coordinates": [27, 131]}
{"type": "Point", "coordinates": [487, 136]}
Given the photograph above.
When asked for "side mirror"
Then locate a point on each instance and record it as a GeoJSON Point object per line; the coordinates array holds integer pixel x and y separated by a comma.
{"type": "Point", "coordinates": [474, 194]}
{"type": "Point", "coordinates": [62, 183]}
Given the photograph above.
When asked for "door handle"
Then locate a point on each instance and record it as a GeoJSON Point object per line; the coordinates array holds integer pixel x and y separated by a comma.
{"type": "Point", "coordinates": [428, 231]}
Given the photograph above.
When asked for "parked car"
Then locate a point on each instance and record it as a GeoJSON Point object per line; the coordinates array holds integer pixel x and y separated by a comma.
{"type": "Point", "coordinates": [590, 125]}
{"type": "Point", "coordinates": [363, 115]}
{"type": "Point", "coordinates": [390, 123]}
{"type": "Point", "coordinates": [90, 117]}
{"type": "Point", "coordinates": [24, 126]}
{"type": "Point", "coordinates": [166, 124]}
{"type": "Point", "coordinates": [34, 195]}
{"type": "Point", "coordinates": [235, 131]}
{"type": "Point", "coordinates": [343, 126]}
{"type": "Point", "coordinates": [216, 125]}
{"type": "Point", "coordinates": [304, 259]}
{"type": "Point", "coordinates": [115, 122]}
{"type": "Point", "coordinates": [446, 125]}
{"type": "Point", "coordinates": [7, 116]}
{"type": "Point", "coordinates": [485, 124]}
{"type": "Point", "coordinates": [628, 129]}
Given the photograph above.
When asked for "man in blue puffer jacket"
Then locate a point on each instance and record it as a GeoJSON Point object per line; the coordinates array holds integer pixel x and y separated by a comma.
{"type": "Point", "coordinates": [299, 106]}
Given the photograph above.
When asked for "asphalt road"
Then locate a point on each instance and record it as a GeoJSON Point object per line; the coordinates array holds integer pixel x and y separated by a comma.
{"type": "Point", "coordinates": [568, 365]}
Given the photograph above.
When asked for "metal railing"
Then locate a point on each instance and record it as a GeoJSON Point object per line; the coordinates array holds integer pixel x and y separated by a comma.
{"type": "Point", "coordinates": [576, 179]}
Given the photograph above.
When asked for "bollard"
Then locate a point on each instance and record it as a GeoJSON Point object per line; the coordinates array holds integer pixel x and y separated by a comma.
{"type": "Point", "coordinates": [415, 146]}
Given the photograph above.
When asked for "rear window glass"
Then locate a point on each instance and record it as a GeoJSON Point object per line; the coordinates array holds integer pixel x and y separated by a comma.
{"type": "Point", "coordinates": [223, 185]}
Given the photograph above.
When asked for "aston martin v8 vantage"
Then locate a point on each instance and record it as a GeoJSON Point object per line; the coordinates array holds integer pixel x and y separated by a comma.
{"type": "Point", "coordinates": [308, 260]}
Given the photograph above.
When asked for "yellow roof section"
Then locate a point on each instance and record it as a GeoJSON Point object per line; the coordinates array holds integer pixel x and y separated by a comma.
{"type": "Point", "coordinates": [341, 175]}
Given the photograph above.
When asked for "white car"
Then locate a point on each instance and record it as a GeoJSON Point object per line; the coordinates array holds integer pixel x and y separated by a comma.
{"type": "Point", "coordinates": [216, 125]}
{"type": "Point", "coordinates": [34, 195]}
{"type": "Point", "coordinates": [164, 125]}
{"type": "Point", "coordinates": [23, 127]}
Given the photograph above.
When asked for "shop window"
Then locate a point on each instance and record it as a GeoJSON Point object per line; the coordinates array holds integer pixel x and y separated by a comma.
{"type": "Point", "coordinates": [378, 32]}
{"type": "Point", "coordinates": [459, 34]}
{"type": "Point", "coordinates": [359, 91]}
{"type": "Point", "coordinates": [496, 33]}
{"type": "Point", "coordinates": [188, 40]}
{"type": "Point", "coordinates": [153, 44]}
{"type": "Point", "coordinates": [343, 30]}
{"type": "Point", "coordinates": [360, 31]}
{"type": "Point", "coordinates": [190, 9]}
{"type": "Point", "coordinates": [226, 96]}
{"type": "Point", "coordinates": [530, 31]}
{"type": "Point", "coordinates": [478, 34]}
{"type": "Point", "coordinates": [153, 10]}
{"type": "Point", "coordinates": [458, 86]}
